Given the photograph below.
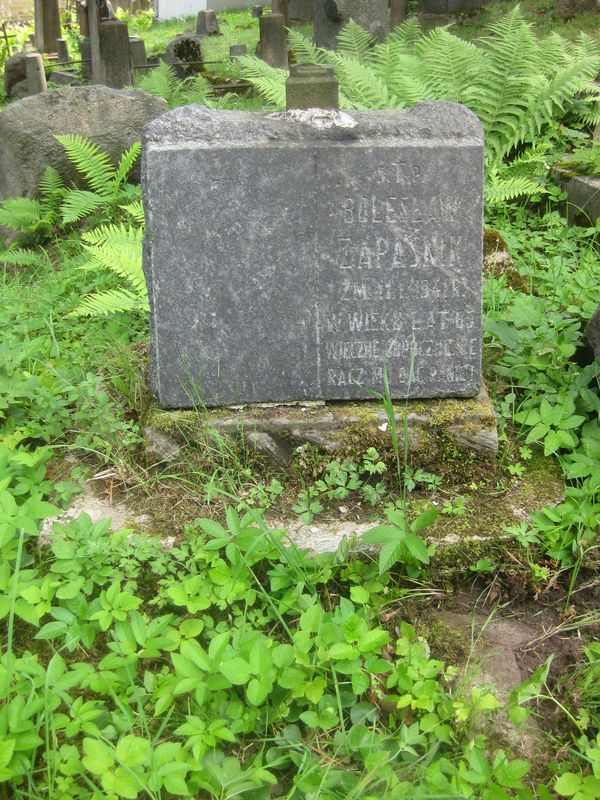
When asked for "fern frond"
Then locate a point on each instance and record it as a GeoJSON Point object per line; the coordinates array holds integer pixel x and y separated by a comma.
{"type": "Point", "coordinates": [305, 52]}
{"type": "Point", "coordinates": [136, 211]}
{"type": "Point", "coordinates": [52, 185]}
{"type": "Point", "coordinates": [126, 163]}
{"type": "Point", "coordinates": [21, 257]}
{"type": "Point", "coordinates": [197, 89]}
{"type": "Point", "coordinates": [162, 82]}
{"type": "Point", "coordinates": [406, 35]}
{"type": "Point", "coordinates": [360, 83]}
{"type": "Point", "coordinates": [90, 161]}
{"type": "Point", "coordinates": [111, 301]}
{"type": "Point", "coordinates": [503, 190]}
{"type": "Point", "coordinates": [21, 214]}
{"type": "Point", "coordinates": [117, 249]}
{"type": "Point", "coordinates": [354, 41]}
{"type": "Point", "coordinates": [268, 81]}
{"type": "Point", "coordinates": [78, 203]}
{"type": "Point", "coordinates": [447, 65]}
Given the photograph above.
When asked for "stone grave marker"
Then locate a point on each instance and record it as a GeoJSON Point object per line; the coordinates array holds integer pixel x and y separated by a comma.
{"type": "Point", "coordinates": [312, 86]}
{"type": "Point", "coordinates": [207, 23]}
{"type": "Point", "coordinates": [301, 10]}
{"type": "Point", "coordinates": [281, 7]}
{"type": "Point", "coordinates": [272, 45]}
{"type": "Point", "coordinates": [36, 76]}
{"type": "Point", "coordinates": [62, 50]}
{"type": "Point", "coordinates": [257, 12]}
{"type": "Point", "coordinates": [237, 50]}
{"type": "Point", "coordinates": [186, 55]}
{"type": "Point", "coordinates": [47, 25]}
{"type": "Point", "coordinates": [299, 255]}
{"type": "Point", "coordinates": [114, 69]}
{"type": "Point", "coordinates": [330, 16]}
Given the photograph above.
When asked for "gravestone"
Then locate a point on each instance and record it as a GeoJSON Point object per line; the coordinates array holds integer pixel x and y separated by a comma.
{"type": "Point", "coordinates": [272, 45]}
{"type": "Point", "coordinates": [281, 7]}
{"type": "Point", "coordinates": [137, 52]}
{"type": "Point", "coordinates": [298, 255]}
{"type": "Point", "coordinates": [301, 10]}
{"type": "Point", "coordinates": [85, 47]}
{"type": "Point", "coordinates": [591, 333]}
{"type": "Point", "coordinates": [567, 9]}
{"type": "Point", "coordinates": [114, 69]}
{"type": "Point", "coordinates": [312, 86]}
{"type": "Point", "coordinates": [185, 53]}
{"type": "Point", "coordinates": [330, 16]}
{"type": "Point", "coordinates": [36, 76]}
{"type": "Point", "coordinates": [47, 25]}
{"type": "Point", "coordinates": [207, 24]}
{"type": "Point", "coordinates": [62, 50]}
{"type": "Point", "coordinates": [257, 12]}
{"type": "Point", "coordinates": [237, 50]}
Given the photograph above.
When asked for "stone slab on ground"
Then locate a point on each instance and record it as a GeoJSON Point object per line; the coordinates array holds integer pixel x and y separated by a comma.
{"type": "Point", "coordinates": [366, 255]}
{"type": "Point", "coordinates": [277, 431]}
{"type": "Point", "coordinates": [583, 196]}
{"type": "Point", "coordinates": [111, 118]}
{"type": "Point", "coordinates": [496, 642]}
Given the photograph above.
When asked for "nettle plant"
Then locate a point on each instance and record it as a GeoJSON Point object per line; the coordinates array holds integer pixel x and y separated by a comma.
{"type": "Point", "coordinates": [519, 86]}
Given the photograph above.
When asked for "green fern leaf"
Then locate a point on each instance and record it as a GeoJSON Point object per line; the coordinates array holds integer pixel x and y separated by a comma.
{"type": "Point", "coordinates": [52, 185]}
{"type": "Point", "coordinates": [111, 301]}
{"type": "Point", "coordinates": [268, 81]}
{"type": "Point", "coordinates": [447, 65]}
{"type": "Point", "coordinates": [21, 214]}
{"type": "Point", "coordinates": [354, 41]}
{"type": "Point", "coordinates": [198, 90]}
{"type": "Point", "coordinates": [163, 82]}
{"type": "Point", "coordinates": [126, 163]}
{"type": "Point", "coordinates": [361, 84]}
{"type": "Point", "coordinates": [90, 161]}
{"type": "Point", "coordinates": [136, 211]}
{"type": "Point", "coordinates": [305, 52]}
{"type": "Point", "coordinates": [79, 203]}
{"type": "Point", "coordinates": [21, 257]}
{"type": "Point", "coordinates": [503, 190]}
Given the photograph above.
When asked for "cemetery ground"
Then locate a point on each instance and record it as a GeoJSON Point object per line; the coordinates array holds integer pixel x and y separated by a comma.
{"type": "Point", "coordinates": [164, 636]}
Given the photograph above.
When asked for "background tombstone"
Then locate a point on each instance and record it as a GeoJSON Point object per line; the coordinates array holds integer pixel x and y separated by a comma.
{"type": "Point", "coordinates": [62, 50]}
{"type": "Point", "coordinates": [257, 11]}
{"type": "Point", "coordinates": [47, 25]}
{"type": "Point", "coordinates": [137, 51]}
{"type": "Point", "coordinates": [115, 59]}
{"type": "Point", "coordinates": [207, 24]}
{"type": "Point", "coordinates": [567, 9]}
{"type": "Point", "coordinates": [301, 10]}
{"type": "Point", "coordinates": [237, 50]}
{"type": "Point", "coordinates": [397, 12]}
{"type": "Point", "coordinates": [85, 47]}
{"type": "Point", "coordinates": [186, 55]}
{"type": "Point", "coordinates": [312, 86]}
{"type": "Point", "coordinates": [330, 16]}
{"type": "Point", "coordinates": [36, 76]}
{"type": "Point", "coordinates": [281, 7]}
{"type": "Point", "coordinates": [351, 243]}
{"type": "Point", "coordinates": [272, 45]}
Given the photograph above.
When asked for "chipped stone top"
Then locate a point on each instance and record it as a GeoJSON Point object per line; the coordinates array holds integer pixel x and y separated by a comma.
{"type": "Point", "coordinates": [200, 127]}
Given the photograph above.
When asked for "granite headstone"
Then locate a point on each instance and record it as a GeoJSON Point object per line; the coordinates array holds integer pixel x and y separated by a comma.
{"type": "Point", "coordinates": [297, 255]}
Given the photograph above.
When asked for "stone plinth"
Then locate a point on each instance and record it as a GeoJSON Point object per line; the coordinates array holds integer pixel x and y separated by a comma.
{"type": "Point", "coordinates": [279, 432]}
{"type": "Point", "coordinates": [296, 256]}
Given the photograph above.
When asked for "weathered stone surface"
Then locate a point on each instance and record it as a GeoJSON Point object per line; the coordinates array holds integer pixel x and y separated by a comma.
{"type": "Point", "coordinates": [567, 9]}
{"type": "Point", "coordinates": [301, 10]}
{"type": "Point", "coordinates": [185, 53]}
{"type": "Point", "coordinates": [207, 24]}
{"type": "Point", "coordinates": [583, 196]}
{"type": "Point", "coordinates": [272, 45]}
{"type": "Point", "coordinates": [281, 7]}
{"type": "Point", "coordinates": [237, 50]}
{"type": "Point", "coordinates": [137, 52]}
{"type": "Point", "coordinates": [367, 254]}
{"type": "Point", "coordinates": [62, 46]}
{"type": "Point", "coordinates": [113, 119]}
{"type": "Point", "coordinates": [312, 86]}
{"type": "Point", "coordinates": [159, 446]}
{"type": "Point", "coordinates": [592, 333]}
{"type": "Point", "coordinates": [257, 12]}
{"type": "Point", "coordinates": [47, 25]}
{"type": "Point", "coordinates": [36, 75]}
{"type": "Point", "coordinates": [115, 58]}
{"type": "Point", "coordinates": [330, 16]}
{"type": "Point", "coordinates": [15, 71]}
